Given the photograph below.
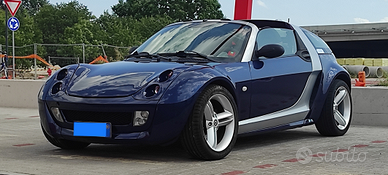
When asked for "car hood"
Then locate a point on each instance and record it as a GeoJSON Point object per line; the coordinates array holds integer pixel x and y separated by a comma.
{"type": "Point", "coordinates": [116, 79]}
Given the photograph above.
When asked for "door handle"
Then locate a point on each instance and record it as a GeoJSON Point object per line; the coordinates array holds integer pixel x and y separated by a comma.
{"type": "Point", "coordinates": [266, 79]}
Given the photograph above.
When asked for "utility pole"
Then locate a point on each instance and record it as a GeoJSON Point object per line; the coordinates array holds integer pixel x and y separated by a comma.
{"type": "Point", "coordinates": [3, 5]}
{"type": "Point", "coordinates": [242, 9]}
{"type": "Point", "coordinates": [6, 29]}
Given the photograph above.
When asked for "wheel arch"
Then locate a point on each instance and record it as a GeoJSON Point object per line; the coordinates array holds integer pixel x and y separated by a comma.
{"type": "Point", "coordinates": [328, 124]}
{"type": "Point", "coordinates": [178, 101]}
{"type": "Point", "coordinates": [321, 93]}
{"type": "Point", "coordinates": [224, 82]}
{"type": "Point", "coordinates": [191, 83]}
{"type": "Point", "coordinates": [344, 76]}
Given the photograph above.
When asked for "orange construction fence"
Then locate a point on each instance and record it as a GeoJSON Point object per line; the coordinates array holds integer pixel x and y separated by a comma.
{"type": "Point", "coordinates": [30, 57]}
{"type": "Point", "coordinates": [100, 58]}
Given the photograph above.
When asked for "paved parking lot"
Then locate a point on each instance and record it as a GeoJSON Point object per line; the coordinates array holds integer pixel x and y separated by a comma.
{"type": "Point", "coordinates": [363, 150]}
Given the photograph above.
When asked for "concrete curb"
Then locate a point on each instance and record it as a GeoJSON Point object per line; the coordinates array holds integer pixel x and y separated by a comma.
{"type": "Point", "coordinates": [370, 104]}
{"type": "Point", "coordinates": [20, 93]}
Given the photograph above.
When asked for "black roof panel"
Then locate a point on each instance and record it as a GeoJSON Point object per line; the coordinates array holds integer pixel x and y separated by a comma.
{"type": "Point", "coordinates": [270, 23]}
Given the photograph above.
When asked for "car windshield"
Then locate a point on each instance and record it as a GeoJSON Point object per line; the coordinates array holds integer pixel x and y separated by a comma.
{"type": "Point", "coordinates": [219, 41]}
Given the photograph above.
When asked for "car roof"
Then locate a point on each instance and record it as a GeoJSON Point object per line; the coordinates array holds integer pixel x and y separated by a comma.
{"type": "Point", "coordinates": [259, 23]}
{"type": "Point", "coordinates": [270, 23]}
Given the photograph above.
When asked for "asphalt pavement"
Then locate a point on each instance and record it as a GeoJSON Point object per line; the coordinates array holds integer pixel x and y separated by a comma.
{"type": "Point", "coordinates": [363, 150]}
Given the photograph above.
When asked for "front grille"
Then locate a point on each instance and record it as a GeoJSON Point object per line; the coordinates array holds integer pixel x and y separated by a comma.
{"type": "Point", "coordinates": [115, 118]}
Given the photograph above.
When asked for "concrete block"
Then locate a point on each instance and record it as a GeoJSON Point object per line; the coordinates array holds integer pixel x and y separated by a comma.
{"type": "Point", "coordinates": [370, 106]}
{"type": "Point", "coordinates": [350, 61]}
{"type": "Point", "coordinates": [359, 61]}
{"type": "Point", "coordinates": [341, 61]}
{"type": "Point", "coordinates": [368, 62]}
{"type": "Point", "coordinates": [380, 62]}
{"type": "Point", "coordinates": [20, 93]}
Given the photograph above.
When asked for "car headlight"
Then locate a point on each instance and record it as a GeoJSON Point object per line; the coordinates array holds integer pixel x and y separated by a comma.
{"type": "Point", "coordinates": [62, 74]}
{"type": "Point", "coordinates": [154, 89]}
{"type": "Point", "coordinates": [151, 90]}
{"type": "Point", "coordinates": [157, 86]}
{"type": "Point", "coordinates": [165, 75]}
{"type": "Point", "coordinates": [60, 80]}
{"type": "Point", "coordinates": [56, 88]}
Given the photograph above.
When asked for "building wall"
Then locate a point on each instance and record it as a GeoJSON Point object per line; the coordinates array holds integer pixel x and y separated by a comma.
{"type": "Point", "coordinates": [355, 40]}
{"type": "Point", "coordinates": [360, 49]}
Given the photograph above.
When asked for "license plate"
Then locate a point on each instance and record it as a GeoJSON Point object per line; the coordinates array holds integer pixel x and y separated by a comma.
{"type": "Point", "coordinates": [85, 129]}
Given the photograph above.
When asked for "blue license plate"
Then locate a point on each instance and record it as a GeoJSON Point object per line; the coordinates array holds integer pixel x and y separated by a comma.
{"type": "Point", "coordinates": [85, 129]}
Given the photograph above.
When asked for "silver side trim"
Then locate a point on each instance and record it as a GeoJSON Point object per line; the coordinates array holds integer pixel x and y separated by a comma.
{"type": "Point", "coordinates": [251, 43]}
{"type": "Point", "coordinates": [315, 61]}
{"type": "Point", "coordinates": [294, 113]}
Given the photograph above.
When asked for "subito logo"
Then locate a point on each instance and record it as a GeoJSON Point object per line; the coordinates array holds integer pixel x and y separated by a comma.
{"type": "Point", "coordinates": [303, 155]}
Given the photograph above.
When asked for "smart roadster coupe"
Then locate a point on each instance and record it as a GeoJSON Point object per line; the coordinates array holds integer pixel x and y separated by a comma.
{"type": "Point", "coordinates": [202, 83]}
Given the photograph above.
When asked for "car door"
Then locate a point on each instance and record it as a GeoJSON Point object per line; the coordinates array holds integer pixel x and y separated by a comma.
{"type": "Point", "coordinates": [278, 83]}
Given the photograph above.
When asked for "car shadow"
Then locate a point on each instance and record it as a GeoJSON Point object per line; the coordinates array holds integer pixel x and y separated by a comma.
{"type": "Point", "coordinates": [272, 138]}
{"type": "Point", "coordinates": [121, 152]}
{"type": "Point", "coordinates": [175, 151]}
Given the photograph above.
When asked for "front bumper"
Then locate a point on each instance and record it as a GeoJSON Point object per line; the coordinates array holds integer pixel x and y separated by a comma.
{"type": "Point", "coordinates": [164, 125]}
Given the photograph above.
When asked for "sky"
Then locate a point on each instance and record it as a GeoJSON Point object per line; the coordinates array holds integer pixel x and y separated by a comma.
{"type": "Point", "coordinates": [299, 12]}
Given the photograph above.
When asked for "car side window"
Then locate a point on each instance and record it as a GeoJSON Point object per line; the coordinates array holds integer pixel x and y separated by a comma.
{"type": "Point", "coordinates": [283, 37]}
{"type": "Point", "coordinates": [233, 48]}
{"type": "Point", "coordinates": [317, 42]}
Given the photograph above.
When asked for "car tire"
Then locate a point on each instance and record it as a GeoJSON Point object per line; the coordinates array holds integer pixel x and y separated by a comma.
{"type": "Point", "coordinates": [211, 130]}
{"type": "Point", "coordinates": [336, 114]}
{"type": "Point", "coordinates": [65, 144]}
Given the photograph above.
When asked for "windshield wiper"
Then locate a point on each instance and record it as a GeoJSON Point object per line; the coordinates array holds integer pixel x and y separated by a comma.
{"type": "Point", "coordinates": [143, 55]}
{"type": "Point", "coordinates": [189, 54]}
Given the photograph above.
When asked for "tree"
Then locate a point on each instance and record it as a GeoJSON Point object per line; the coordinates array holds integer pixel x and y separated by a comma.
{"type": "Point", "coordinates": [86, 32]}
{"type": "Point", "coordinates": [178, 10]}
{"type": "Point", "coordinates": [53, 20]}
{"type": "Point", "coordinates": [72, 23]}
{"type": "Point", "coordinates": [32, 6]}
{"type": "Point", "coordinates": [27, 34]}
{"type": "Point", "coordinates": [127, 31]}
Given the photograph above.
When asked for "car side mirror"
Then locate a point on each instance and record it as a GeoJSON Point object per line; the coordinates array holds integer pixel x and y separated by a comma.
{"type": "Point", "coordinates": [270, 51]}
{"type": "Point", "coordinates": [132, 49]}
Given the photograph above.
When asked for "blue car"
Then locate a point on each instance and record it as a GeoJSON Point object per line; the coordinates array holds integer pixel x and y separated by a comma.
{"type": "Point", "coordinates": [202, 83]}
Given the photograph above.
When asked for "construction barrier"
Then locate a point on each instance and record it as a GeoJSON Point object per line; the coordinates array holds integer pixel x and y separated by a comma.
{"type": "Point", "coordinates": [32, 56]}
{"type": "Point", "coordinates": [100, 58]}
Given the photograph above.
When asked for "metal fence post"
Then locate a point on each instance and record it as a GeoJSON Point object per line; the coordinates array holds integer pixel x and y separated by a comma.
{"type": "Point", "coordinates": [13, 55]}
{"type": "Point", "coordinates": [83, 52]}
{"type": "Point", "coordinates": [35, 53]}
